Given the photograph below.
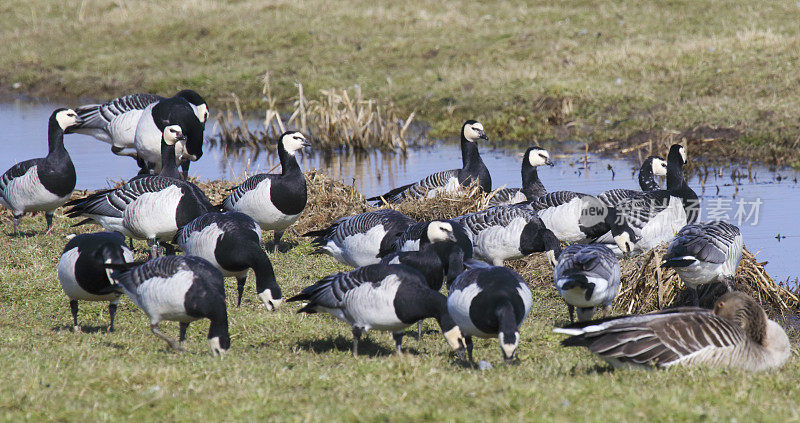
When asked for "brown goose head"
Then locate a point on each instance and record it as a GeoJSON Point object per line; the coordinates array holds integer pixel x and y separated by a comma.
{"type": "Point", "coordinates": [746, 312]}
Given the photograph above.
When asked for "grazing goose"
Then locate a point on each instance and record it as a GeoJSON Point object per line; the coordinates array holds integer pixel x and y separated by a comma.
{"type": "Point", "coordinates": [417, 235]}
{"type": "Point", "coordinates": [46, 183]}
{"type": "Point", "coordinates": [150, 207]}
{"type": "Point", "coordinates": [231, 242]}
{"type": "Point", "coordinates": [381, 297]}
{"type": "Point", "coordinates": [274, 201]}
{"type": "Point", "coordinates": [587, 276]}
{"type": "Point", "coordinates": [532, 187]}
{"type": "Point", "coordinates": [574, 217]}
{"type": "Point", "coordinates": [705, 252]}
{"type": "Point", "coordinates": [182, 289]}
{"type": "Point", "coordinates": [490, 302]}
{"type": "Point", "coordinates": [449, 180]}
{"type": "Point", "coordinates": [362, 239]}
{"type": "Point", "coordinates": [82, 271]}
{"type": "Point", "coordinates": [186, 109]}
{"type": "Point", "coordinates": [654, 217]}
{"type": "Point", "coordinates": [736, 334]}
{"type": "Point", "coordinates": [509, 232]}
{"type": "Point", "coordinates": [652, 166]}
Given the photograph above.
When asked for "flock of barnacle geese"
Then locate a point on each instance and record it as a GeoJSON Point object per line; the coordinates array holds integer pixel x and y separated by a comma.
{"type": "Point", "coordinates": [400, 264]}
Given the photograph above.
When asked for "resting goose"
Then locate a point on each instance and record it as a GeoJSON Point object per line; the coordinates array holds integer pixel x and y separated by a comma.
{"type": "Point", "coordinates": [652, 166]}
{"type": "Point", "coordinates": [736, 334]}
{"type": "Point", "coordinates": [182, 289]}
{"type": "Point", "coordinates": [449, 180]}
{"type": "Point", "coordinates": [587, 277]}
{"type": "Point", "coordinates": [509, 232]}
{"type": "Point", "coordinates": [416, 235]}
{"type": "Point", "coordinates": [490, 302]}
{"type": "Point", "coordinates": [186, 109]}
{"type": "Point", "coordinates": [46, 183]}
{"type": "Point", "coordinates": [150, 207]}
{"type": "Point", "coordinates": [574, 217]}
{"type": "Point", "coordinates": [274, 201]}
{"type": "Point", "coordinates": [82, 272]}
{"type": "Point", "coordinates": [231, 242]}
{"type": "Point", "coordinates": [380, 297]}
{"type": "Point", "coordinates": [532, 187]}
{"type": "Point", "coordinates": [362, 239]}
{"type": "Point", "coordinates": [654, 217]}
{"type": "Point", "coordinates": [705, 252]}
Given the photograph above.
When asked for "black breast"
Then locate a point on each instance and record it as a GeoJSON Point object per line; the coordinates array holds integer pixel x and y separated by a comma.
{"type": "Point", "coordinates": [58, 175]}
{"type": "Point", "coordinates": [288, 193]}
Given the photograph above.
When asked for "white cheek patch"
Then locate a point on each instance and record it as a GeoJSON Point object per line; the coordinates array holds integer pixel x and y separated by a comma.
{"type": "Point", "coordinates": [454, 338]}
{"type": "Point", "coordinates": [551, 257]}
{"type": "Point", "coordinates": [109, 272]}
{"type": "Point", "coordinates": [202, 113]}
{"type": "Point", "coordinates": [683, 154]}
{"type": "Point", "coordinates": [216, 349]}
{"type": "Point", "coordinates": [65, 121]}
{"type": "Point", "coordinates": [623, 241]}
{"type": "Point", "coordinates": [171, 137]}
{"type": "Point", "coordinates": [437, 231]}
{"type": "Point", "coordinates": [270, 303]}
{"type": "Point", "coordinates": [659, 167]}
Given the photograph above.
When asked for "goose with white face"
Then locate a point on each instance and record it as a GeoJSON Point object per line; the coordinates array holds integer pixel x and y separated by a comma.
{"type": "Point", "coordinates": [660, 166]}
{"type": "Point", "coordinates": [295, 142]}
{"type": "Point", "coordinates": [474, 132]}
{"type": "Point", "coordinates": [67, 119]}
{"type": "Point", "coordinates": [539, 157]}
{"type": "Point", "coordinates": [440, 232]}
{"type": "Point", "coordinates": [508, 346]}
{"type": "Point", "coordinates": [202, 113]}
{"type": "Point", "coordinates": [173, 134]}
{"type": "Point", "coordinates": [682, 150]}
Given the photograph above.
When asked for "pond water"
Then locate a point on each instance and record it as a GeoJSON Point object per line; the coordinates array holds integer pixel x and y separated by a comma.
{"type": "Point", "coordinates": [763, 205]}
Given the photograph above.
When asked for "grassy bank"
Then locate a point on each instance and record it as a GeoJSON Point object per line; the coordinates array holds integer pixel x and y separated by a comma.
{"type": "Point", "coordinates": [626, 71]}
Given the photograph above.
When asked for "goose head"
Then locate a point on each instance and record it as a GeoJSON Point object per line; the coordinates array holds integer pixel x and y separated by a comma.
{"type": "Point", "coordinates": [746, 312]}
{"type": "Point", "coordinates": [677, 152]}
{"type": "Point", "coordinates": [67, 119]}
{"type": "Point", "coordinates": [109, 253]}
{"type": "Point", "coordinates": [625, 237]}
{"type": "Point", "coordinates": [472, 131]}
{"type": "Point", "coordinates": [508, 344]}
{"type": "Point", "coordinates": [538, 156]}
{"type": "Point", "coordinates": [292, 142]}
{"type": "Point", "coordinates": [440, 231]}
{"type": "Point", "coordinates": [271, 301]}
{"type": "Point", "coordinates": [172, 134]}
{"type": "Point", "coordinates": [219, 345]}
{"type": "Point", "coordinates": [659, 166]}
{"type": "Point", "coordinates": [197, 101]}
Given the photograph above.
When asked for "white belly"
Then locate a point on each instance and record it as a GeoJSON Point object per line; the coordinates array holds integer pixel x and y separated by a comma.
{"type": "Point", "coordinates": [203, 244]}
{"type": "Point", "coordinates": [66, 275]}
{"type": "Point", "coordinates": [27, 194]}
{"type": "Point", "coordinates": [699, 273]}
{"type": "Point", "coordinates": [358, 249]}
{"type": "Point", "coordinates": [371, 307]}
{"type": "Point", "coordinates": [163, 298]}
{"type": "Point", "coordinates": [498, 243]}
{"type": "Point", "coordinates": [257, 204]}
{"type": "Point", "coordinates": [451, 187]}
{"type": "Point", "coordinates": [564, 221]}
{"type": "Point", "coordinates": [152, 215]}
{"type": "Point", "coordinates": [663, 227]}
{"type": "Point", "coordinates": [577, 297]}
{"type": "Point", "coordinates": [458, 304]}
{"type": "Point", "coordinates": [123, 129]}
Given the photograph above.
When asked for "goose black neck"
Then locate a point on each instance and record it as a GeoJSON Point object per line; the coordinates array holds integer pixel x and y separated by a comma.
{"type": "Point", "coordinates": [169, 167]}
{"type": "Point", "coordinates": [219, 327]}
{"type": "Point", "coordinates": [675, 180]}
{"type": "Point", "coordinates": [506, 321]}
{"type": "Point", "coordinates": [530, 179]}
{"type": "Point", "coordinates": [289, 163]}
{"type": "Point", "coordinates": [443, 317]}
{"type": "Point", "coordinates": [55, 138]}
{"type": "Point", "coordinates": [470, 158]}
{"type": "Point", "coordinates": [265, 275]}
{"type": "Point", "coordinates": [647, 180]}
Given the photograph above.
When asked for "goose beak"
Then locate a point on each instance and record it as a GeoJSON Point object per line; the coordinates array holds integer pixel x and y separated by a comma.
{"type": "Point", "coordinates": [482, 135]}
{"type": "Point", "coordinates": [549, 163]}
{"type": "Point", "coordinates": [181, 137]}
{"type": "Point", "coordinates": [462, 354]}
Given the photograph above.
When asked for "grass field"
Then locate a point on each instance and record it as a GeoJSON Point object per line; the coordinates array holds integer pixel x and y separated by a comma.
{"type": "Point", "coordinates": [288, 367]}
{"type": "Point", "coordinates": [579, 69]}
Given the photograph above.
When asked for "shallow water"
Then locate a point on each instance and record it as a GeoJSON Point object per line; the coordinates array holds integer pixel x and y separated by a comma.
{"type": "Point", "coordinates": [23, 135]}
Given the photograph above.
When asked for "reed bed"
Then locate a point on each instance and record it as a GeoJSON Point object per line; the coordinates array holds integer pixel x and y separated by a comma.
{"type": "Point", "coordinates": [336, 119]}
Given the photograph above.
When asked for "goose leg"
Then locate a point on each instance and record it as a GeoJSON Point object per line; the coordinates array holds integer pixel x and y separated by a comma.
{"type": "Point", "coordinates": [17, 217]}
{"type": "Point", "coordinates": [172, 343]}
{"type": "Point", "coordinates": [240, 289]}
{"type": "Point", "coordinates": [73, 307]}
{"type": "Point", "coordinates": [277, 240]}
{"type": "Point", "coordinates": [571, 309]}
{"type": "Point", "coordinates": [398, 340]}
{"type": "Point", "coordinates": [357, 332]}
{"type": "Point", "coordinates": [112, 311]}
{"type": "Point", "coordinates": [130, 243]}
{"type": "Point", "coordinates": [185, 169]}
{"type": "Point", "coordinates": [153, 244]}
{"type": "Point", "coordinates": [468, 340]}
{"type": "Point", "coordinates": [48, 217]}
{"type": "Point", "coordinates": [169, 249]}
{"type": "Point", "coordinates": [182, 336]}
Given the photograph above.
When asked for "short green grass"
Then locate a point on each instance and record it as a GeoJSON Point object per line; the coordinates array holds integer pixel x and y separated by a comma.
{"type": "Point", "coordinates": [288, 367]}
{"type": "Point", "coordinates": [626, 65]}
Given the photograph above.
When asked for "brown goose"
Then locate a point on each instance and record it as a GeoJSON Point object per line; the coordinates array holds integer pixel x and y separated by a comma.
{"type": "Point", "coordinates": [737, 333]}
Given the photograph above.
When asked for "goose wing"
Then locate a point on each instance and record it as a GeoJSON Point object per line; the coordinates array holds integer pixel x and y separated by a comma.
{"type": "Point", "coordinates": [613, 197]}
{"type": "Point", "coordinates": [98, 116]}
{"type": "Point", "coordinates": [419, 189]}
{"type": "Point", "coordinates": [553, 199]}
{"type": "Point", "coordinates": [637, 212]}
{"type": "Point", "coordinates": [248, 185]}
{"type": "Point", "coordinates": [592, 258]}
{"type": "Point", "coordinates": [16, 171]}
{"type": "Point", "coordinates": [711, 243]}
{"type": "Point", "coordinates": [504, 196]}
{"type": "Point", "coordinates": [495, 216]}
{"type": "Point", "coordinates": [329, 292]}
{"type": "Point", "coordinates": [114, 201]}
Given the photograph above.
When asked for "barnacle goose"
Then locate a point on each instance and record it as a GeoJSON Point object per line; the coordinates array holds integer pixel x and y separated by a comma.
{"type": "Point", "coordinates": [489, 301]}
{"type": "Point", "coordinates": [587, 276]}
{"type": "Point", "coordinates": [644, 222]}
{"type": "Point", "coordinates": [380, 297]}
{"type": "Point", "coordinates": [274, 201]}
{"type": "Point", "coordinates": [532, 187]}
{"type": "Point", "coordinates": [178, 288]}
{"type": "Point", "coordinates": [735, 334]}
{"type": "Point", "coordinates": [417, 235]}
{"type": "Point", "coordinates": [705, 252]}
{"type": "Point", "coordinates": [362, 239]}
{"type": "Point", "coordinates": [574, 217]}
{"type": "Point", "coordinates": [114, 121]}
{"type": "Point", "coordinates": [150, 207]}
{"type": "Point", "coordinates": [231, 242]}
{"type": "Point", "coordinates": [509, 232]}
{"type": "Point", "coordinates": [651, 167]}
{"type": "Point", "coordinates": [42, 184]}
{"type": "Point", "coordinates": [187, 109]}
{"type": "Point", "coordinates": [449, 180]}
{"type": "Point", "coordinates": [82, 271]}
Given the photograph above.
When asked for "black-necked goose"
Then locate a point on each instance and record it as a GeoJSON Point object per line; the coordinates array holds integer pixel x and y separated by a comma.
{"type": "Point", "coordinates": [449, 180]}
{"type": "Point", "coordinates": [532, 187]}
{"type": "Point", "coordinates": [654, 217]}
{"type": "Point", "coordinates": [587, 276]}
{"type": "Point", "coordinates": [509, 232]}
{"type": "Point", "coordinates": [46, 183]}
{"type": "Point", "coordinates": [181, 289]}
{"type": "Point", "coordinates": [150, 207]}
{"type": "Point", "coordinates": [490, 302]}
{"type": "Point", "coordinates": [736, 334]}
{"type": "Point", "coordinates": [274, 201]}
{"type": "Point", "coordinates": [705, 252]}
{"type": "Point", "coordinates": [362, 239]}
{"type": "Point", "coordinates": [574, 217]}
{"type": "Point", "coordinates": [416, 235]}
{"type": "Point", "coordinates": [82, 271]}
{"type": "Point", "coordinates": [651, 167]}
{"type": "Point", "coordinates": [186, 109]}
{"type": "Point", "coordinates": [231, 241]}
{"type": "Point", "coordinates": [380, 297]}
